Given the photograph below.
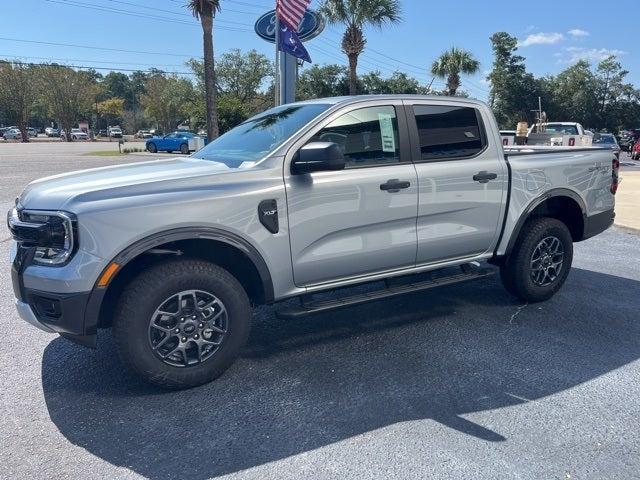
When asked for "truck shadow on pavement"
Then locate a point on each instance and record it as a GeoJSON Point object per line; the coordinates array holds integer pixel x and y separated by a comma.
{"type": "Point", "coordinates": [301, 385]}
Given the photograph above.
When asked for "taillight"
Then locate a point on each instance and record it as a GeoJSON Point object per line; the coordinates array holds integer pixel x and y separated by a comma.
{"type": "Point", "coordinates": [615, 166]}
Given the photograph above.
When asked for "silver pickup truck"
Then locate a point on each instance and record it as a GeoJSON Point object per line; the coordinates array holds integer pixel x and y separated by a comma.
{"type": "Point", "coordinates": [304, 198]}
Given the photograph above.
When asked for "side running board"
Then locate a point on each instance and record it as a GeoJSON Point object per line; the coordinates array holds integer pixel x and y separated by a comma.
{"type": "Point", "coordinates": [318, 306]}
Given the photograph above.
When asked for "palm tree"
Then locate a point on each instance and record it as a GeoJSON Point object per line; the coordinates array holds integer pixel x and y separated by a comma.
{"type": "Point", "coordinates": [355, 14]}
{"type": "Point", "coordinates": [451, 64]}
{"type": "Point", "coordinates": [205, 10]}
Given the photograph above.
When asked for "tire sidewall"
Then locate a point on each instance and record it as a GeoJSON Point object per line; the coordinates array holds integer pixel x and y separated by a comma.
{"type": "Point", "coordinates": [520, 270]}
{"type": "Point", "coordinates": [131, 324]}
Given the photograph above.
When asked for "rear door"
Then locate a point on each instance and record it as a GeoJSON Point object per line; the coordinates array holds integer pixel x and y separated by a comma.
{"type": "Point", "coordinates": [463, 180]}
{"type": "Point", "coordinates": [360, 220]}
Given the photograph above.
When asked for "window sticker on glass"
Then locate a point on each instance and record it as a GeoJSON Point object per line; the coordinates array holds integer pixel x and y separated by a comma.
{"type": "Point", "coordinates": [386, 132]}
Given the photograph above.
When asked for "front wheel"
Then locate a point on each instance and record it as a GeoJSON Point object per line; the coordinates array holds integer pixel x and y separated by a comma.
{"type": "Point", "coordinates": [182, 323]}
{"type": "Point", "coordinates": [540, 261]}
{"type": "Point", "coordinates": [151, 148]}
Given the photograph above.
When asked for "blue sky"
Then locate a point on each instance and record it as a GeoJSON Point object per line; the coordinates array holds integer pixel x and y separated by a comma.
{"type": "Point", "coordinates": [553, 34]}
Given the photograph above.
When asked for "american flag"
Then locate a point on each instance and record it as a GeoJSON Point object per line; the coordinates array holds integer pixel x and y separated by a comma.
{"type": "Point", "coordinates": [291, 11]}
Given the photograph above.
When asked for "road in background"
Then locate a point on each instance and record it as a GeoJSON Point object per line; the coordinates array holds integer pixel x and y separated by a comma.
{"type": "Point", "coordinates": [459, 382]}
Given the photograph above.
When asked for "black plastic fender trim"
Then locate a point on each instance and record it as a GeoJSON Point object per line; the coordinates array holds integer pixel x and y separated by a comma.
{"type": "Point", "coordinates": [94, 304]}
{"type": "Point", "coordinates": [555, 192]}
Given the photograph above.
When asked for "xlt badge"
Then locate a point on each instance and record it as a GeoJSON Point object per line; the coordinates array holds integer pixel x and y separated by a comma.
{"type": "Point", "coordinates": [268, 215]}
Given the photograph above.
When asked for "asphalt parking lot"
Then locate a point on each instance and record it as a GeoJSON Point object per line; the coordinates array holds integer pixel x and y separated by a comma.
{"type": "Point", "coordinates": [460, 382]}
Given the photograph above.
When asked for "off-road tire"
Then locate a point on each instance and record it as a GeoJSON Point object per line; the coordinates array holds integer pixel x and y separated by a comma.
{"type": "Point", "coordinates": [143, 296]}
{"type": "Point", "coordinates": [516, 271]}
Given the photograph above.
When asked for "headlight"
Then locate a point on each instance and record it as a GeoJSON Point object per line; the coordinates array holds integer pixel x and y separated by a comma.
{"type": "Point", "coordinates": [53, 234]}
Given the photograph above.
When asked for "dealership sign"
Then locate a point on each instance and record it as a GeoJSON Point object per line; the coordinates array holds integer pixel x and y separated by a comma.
{"type": "Point", "coordinates": [310, 27]}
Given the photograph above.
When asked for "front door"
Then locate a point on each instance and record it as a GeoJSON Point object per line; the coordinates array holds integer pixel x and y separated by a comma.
{"type": "Point", "coordinates": [360, 220]}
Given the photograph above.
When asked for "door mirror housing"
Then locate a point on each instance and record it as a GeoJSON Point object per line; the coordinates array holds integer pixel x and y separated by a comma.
{"type": "Point", "coordinates": [318, 157]}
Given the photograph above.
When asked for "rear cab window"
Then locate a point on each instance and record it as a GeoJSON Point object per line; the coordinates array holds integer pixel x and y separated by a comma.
{"type": "Point", "coordinates": [448, 132]}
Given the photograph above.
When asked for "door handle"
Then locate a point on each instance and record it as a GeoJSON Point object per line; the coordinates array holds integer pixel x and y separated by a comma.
{"type": "Point", "coordinates": [394, 185]}
{"type": "Point", "coordinates": [484, 177]}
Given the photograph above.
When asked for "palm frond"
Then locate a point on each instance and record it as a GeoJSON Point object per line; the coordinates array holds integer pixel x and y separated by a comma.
{"type": "Point", "coordinates": [200, 7]}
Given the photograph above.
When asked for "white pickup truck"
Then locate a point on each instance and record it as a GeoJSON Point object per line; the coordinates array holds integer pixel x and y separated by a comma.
{"type": "Point", "coordinates": [302, 199]}
{"type": "Point", "coordinates": [559, 134]}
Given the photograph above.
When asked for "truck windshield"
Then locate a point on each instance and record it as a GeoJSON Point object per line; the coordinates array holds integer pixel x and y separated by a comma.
{"type": "Point", "coordinates": [257, 137]}
{"type": "Point", "coordinates": [559, 128]}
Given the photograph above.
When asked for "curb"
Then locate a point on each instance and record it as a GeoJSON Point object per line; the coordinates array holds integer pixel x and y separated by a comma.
{"type": "Point", "coordinates": [625, 228]}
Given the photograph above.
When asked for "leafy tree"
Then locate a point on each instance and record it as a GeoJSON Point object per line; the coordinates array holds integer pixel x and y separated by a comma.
{"type": "Point", "coordinates": [355, 15]}
{"type": "Point", "coordinates": [239, 74]}
{"type": "Point", "coordinates": [117, 85]}
{"type": "Point", "coordinates": [611, 90]}
{"type": "Point", "coordinates": [112, 109]}
{"type": "Point", "coordinates": [205, 10]}
{"type": "Point", "coordinates": [18, 93]}
{"type": "Point", "coordinates": [451, 64]}
{"type": "Point", "coordinates": [242, 75]}
{"type": "Point", "coordinates": [397, 83]}
{"type": "Point", "coordinates": [67, 94]}
{"type": "Point", "coordinates": [574, 94]}
{"type": "Point", "coordinates": [513, 90]}
{"type": "Point", "coordinates": [168, 99]}
{"type": "Point", "coordinates": [319, 81]}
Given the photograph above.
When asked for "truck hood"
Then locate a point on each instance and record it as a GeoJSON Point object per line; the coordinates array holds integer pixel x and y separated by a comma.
{"type": "Point", "coordinates": [55, 192]}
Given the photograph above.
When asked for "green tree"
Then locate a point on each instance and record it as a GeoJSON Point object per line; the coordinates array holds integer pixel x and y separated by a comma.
{"type": "Point", "coordinates": [168, 100]}
{"type": "Point", "coordinates": [397, 83]}
{"type": "Point", "coordinates": [611, 91]}
{"type": "Point", "coordinates": [319, 81]}
{"type": "Point", "coordinates": [450, 64]}
{"type": "Point", "coordinates": [514, 91]}
{"type": "Point", "coordinates": [205, 10]}
{"type": "Point", "coordinates": [68, 94]}
{"type": "Point", "coordinates": [242, 75]}
{"type": "Point", "coordinates": [112, 109]}
{"type": "Point", "coordinates": [18, 93]}
{"type": "Point", "coordinates": [355, 15]}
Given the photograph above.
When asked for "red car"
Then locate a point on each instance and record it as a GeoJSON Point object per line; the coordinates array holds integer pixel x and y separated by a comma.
{"type": "Point", "coordinates": [635, 151]}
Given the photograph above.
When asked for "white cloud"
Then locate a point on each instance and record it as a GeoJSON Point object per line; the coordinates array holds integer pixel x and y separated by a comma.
{"type": "Point", "coordinates": [578, 33]}
{"type": "Point", "coordinates": [541, 39]}
{"type": "Point", "coordinates": [574, 54]}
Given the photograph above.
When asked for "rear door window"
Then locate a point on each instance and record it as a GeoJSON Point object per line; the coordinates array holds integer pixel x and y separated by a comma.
{"type": "Point", "coordinates": [446, 131]}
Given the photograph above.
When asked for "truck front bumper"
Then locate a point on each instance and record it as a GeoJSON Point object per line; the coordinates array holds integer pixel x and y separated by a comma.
{"type": "Point", "coordinates": [25, 312]}
{"type": "Point", "coordinates": [53, 312]}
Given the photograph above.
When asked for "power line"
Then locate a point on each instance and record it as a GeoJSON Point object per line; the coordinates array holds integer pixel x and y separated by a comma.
{"type": "Point", "coordinates": [32, 64]}
{"type": "Point", "coordinates": [56, 44]}
{"type": "Point", "coordinates": [50, 59]}
{"type": "Point", "coordinates": [132, 13]}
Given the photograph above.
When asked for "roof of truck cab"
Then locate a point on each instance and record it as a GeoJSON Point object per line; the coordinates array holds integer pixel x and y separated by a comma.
{"type": "Point", "coordinates": [361, 98]}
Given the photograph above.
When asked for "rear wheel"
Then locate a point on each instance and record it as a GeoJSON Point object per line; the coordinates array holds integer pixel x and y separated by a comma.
{"type": "Point", "coordinates": [151, 147]}
{"type": "Point", "coordinates": [182, 323]}
{"type": "Point", "coordinates": [184, 149]}
{"type": "Point", "coordinates": [540, 261]}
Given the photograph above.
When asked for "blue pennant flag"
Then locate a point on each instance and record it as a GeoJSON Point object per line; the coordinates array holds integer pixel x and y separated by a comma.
{"type": "Point", "coordinates": [291, 44]}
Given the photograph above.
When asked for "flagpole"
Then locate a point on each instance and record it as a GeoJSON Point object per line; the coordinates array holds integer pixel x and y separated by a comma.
{"type": "Point", "coordinates": [276, 82]}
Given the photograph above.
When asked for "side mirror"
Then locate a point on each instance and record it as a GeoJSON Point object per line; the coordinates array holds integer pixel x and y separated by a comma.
{"type": "Point", "coordinates": [318, 157]}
